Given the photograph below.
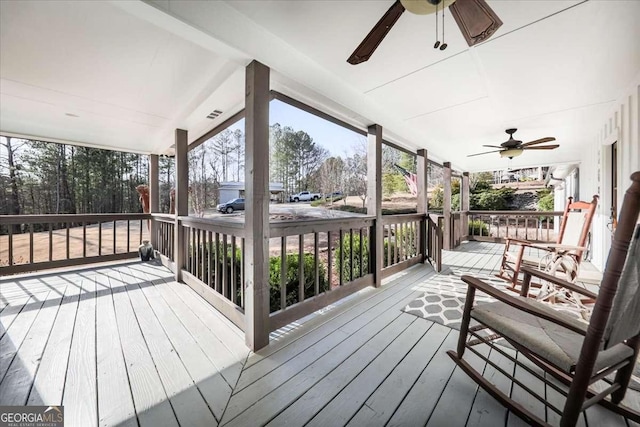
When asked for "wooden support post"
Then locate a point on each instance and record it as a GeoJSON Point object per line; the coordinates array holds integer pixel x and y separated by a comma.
{"type": "Point", "coordinates": [154, 197]}
{"type": "Point", "coordinates": [446, 208]}
{"type": "Point", "coordinates": [465, 204]}
{"type": "Point", "coordinates": [256, 262]}
{"type": "Point", "coordinates": [182, 196]}
{"type": "Point", "coordinates": [374, 199]}
{"type": "Point", "coordinates": [423, 199]}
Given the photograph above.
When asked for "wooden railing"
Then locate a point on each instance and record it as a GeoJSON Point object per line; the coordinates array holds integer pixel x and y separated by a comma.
{"type": "Point", "coordinates": [51, 241]}
{"type": "Point", "coordinates": [214, 263]}
{"type": "Point", "coordinates": [496, 226]}
{"type": "Point", "coordinates": [317, 263]}
{"type": "Point", "coordinates": [435, 240]}
{"type": "Point", "coordinates": [402, 242]}
{"type": "Point", "coordinates": [457, 229]}
{"type": "Point", "coordinates": [163, 235]}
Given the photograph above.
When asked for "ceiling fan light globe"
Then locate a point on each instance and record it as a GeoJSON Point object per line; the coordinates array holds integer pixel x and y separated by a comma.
{"type": "Point", "coordinates": [511, 152]}
{"type": "Point", "coordinates": [424, 7]}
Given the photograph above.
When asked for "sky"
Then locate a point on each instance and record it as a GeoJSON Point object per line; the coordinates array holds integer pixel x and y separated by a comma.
{"type": "Point", "coordinates": [332, 137]}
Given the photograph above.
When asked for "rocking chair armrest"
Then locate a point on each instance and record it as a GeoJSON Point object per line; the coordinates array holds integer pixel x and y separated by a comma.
{"type": "Point", "coordinates": [519, 304]}
{"type": "Point", "coordinates": [522, 242]}
{"type": "Point", "coordinates": [529, 271]}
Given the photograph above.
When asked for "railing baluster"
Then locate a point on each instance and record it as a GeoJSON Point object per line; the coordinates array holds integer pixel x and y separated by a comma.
{"type": "Point", "coordinates": [140, 240]}
{"type": "Point", "coordinates": [66, 224]}
{"type": "Point", "coordinates": [301, 281]}
{"type": "Point", "coordinates": [218, 281]}
{"type": "Point", "coordinates": [225, 273]}
{"type": "Point", "coordinates": [360, 273]}
{"type": "Point", "coordinates": [99, 239]}
{"type": "Point", "coordinates": [401, 244]}
{"type": "Point", "coordinates": [10, 244]}
{"type": "Point", "coordinates": [129, 237]}
{"type": "Point", "coordinates": [115, 227]}
{"type": "Point", "coordinates": [30, 243]}
{"type": "Point", "coordinates": [242, 272]}
{"type": "Point", "coordinates": [283, 272]}
{"type": "Point", "coordinates": [50, 242]}
{"type": "Point", "coordinates": [389, 244]}
{"type": "Point", "coordinates": [316, 265]}
{"type": "Point", "coordinates": [209, 258]}
{"type": "Point", "coordinates": [341, 258]}
{"type": "Point", "coordinates": [329, 260]}
{"type": "Point", "coordinates": [351, 254]}
{"type": "Point", "coordinates": [233, 269]}
{"type": "Point", "coordinates": [395, 243]}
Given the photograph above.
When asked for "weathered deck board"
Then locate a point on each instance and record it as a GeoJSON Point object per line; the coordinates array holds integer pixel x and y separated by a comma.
{"type": "Point", "coordinates": [425, 393]}
{"type": "Point", "coordinates": [15, 387]}
{"type": "Point", "coordinates": [343, 405]}
{"type": "Point", "coordinates": [80, 384]}
{"type": "Point", "coordinates": [115, 402]}
{"type": "Point", "coordinates": [381, 404]}
{"type": "Point", "coordinates": [16, 333]}
{"type": "Point", "coordinates": [156, 354]}
{"type": "Point", "coordinates": [149, 396]}
{"type": "Point", "coordinates": [188, 404]}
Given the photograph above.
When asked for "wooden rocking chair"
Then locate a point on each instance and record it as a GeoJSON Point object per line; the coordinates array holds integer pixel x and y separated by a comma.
{"type": "Point", "coordinates": [571, 351]}
{"type": "Point", "coordinates": [564, 255]}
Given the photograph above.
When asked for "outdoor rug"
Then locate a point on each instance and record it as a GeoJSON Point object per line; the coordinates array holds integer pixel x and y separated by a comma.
{"type": "Point", "coordinates": [444, 298]}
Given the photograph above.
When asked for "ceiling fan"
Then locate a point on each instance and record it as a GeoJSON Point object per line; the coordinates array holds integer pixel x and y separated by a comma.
{"type": "Point", "coordinates": [513, 148]}
{"type": "Point", "coordinates": [476, 20]}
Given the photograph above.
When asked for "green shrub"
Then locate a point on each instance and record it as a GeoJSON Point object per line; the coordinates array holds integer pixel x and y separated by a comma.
{"type": "Point", "coordinates": [344, 256]}
{"type": "Point", "coordinates": [292, 279]}
{"type": "Point", "coordinates": [545, 203]}
{"type": "Point", "coordinates": [477, 227]}
{"type": "Point", "coordinates": [492, 200]}
{"type": "Point", "coordinates": [208, 251]}
{"type": "Point", "coordinates": [405, 238]}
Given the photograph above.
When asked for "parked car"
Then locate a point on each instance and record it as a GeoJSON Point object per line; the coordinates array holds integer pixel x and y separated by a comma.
{"type": "Point", "coordinates": [304, 196]}
{"type": "Point", "coordinates": [231, 205]}
{"type": "Point", "coordinates": [334, 195]}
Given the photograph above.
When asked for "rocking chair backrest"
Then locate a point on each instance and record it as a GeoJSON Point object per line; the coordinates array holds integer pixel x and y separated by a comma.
{"type": "Point", "coordinates": [576, 222]}
{"type": "Point", "coordinates": [599, 323]}
{"type": "Point", "coordinates": [624, 321]}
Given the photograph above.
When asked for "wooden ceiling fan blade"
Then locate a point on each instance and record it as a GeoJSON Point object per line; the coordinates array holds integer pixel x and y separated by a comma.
{"type": "Point", "coordinates": [538, 141]}
{"type": "Point", "coordinates": [370, 43]}
{"type": "Point", "coordinates": [486, 152]}
{"type": "Point", "coordinates": [542, 147]}
{"type": "Point", "coordinates": [477, 21]}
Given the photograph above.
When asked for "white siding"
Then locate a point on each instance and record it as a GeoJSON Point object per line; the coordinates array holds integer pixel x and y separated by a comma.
{"type": "Point", "coordinates": [620, 126]}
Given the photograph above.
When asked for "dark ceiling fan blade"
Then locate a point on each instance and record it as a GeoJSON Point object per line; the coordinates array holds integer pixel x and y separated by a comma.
{"type": "Point", "coordinates": [477, 21]}
{"type": "Point", "coordinates": [493, 146]}
{"type": "Point", "coordinates": [486, 152]}
{"type": "Point", "coordinates": [542, 147]}
{"type": "Point", "coordinates": [538, 141]}
{"type": "Point", "coordinates": [370, 43]}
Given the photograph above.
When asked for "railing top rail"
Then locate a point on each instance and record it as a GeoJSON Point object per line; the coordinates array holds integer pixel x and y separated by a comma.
{"type": "Point", "coordinates": [522, 213]}
{"type": "Point", "coordinates": [216, 225]}
{"type": "Point", "coordinates": [164, 217]}
{"type": "Point", "coordinates": [55, 218]}
{"type": "Point", "coordinates": [292, 228]}
{"type": "Point", "coordinates": [401, 218]}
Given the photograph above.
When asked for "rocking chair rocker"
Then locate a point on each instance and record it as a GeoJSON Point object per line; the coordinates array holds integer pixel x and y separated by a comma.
{"type": "Point", "coordinates": [572, 352]}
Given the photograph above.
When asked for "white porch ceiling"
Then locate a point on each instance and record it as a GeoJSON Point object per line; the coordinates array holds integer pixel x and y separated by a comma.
{"type": "Point", "coordinates": [133, 71]}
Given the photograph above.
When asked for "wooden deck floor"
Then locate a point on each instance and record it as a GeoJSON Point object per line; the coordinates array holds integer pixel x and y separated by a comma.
{"type": "Point", "coordinates": [126, 345]}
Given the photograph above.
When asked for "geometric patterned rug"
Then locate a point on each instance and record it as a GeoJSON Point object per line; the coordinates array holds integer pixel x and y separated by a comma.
{"type": "Point", "coordinates": [443, 300]}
